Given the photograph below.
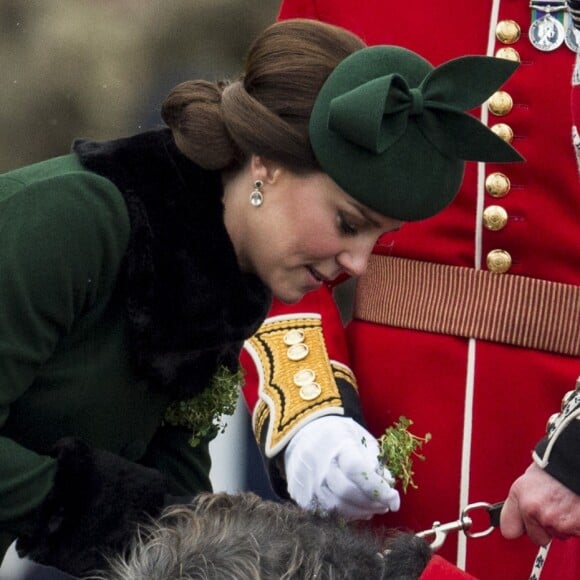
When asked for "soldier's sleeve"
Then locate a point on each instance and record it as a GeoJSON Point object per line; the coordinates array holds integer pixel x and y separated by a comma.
{"type": "Point", "coordinates": [296, 370]}
{"type": "Point", "coordinates": [559, 452]}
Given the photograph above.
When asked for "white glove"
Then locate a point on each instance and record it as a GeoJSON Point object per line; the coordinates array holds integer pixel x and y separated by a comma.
{"type": "Point", "coordinates": [332, 463]}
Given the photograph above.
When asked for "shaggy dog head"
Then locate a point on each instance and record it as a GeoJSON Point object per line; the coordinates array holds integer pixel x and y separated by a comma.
{"type": "Point", "coordinates": [243, 537]}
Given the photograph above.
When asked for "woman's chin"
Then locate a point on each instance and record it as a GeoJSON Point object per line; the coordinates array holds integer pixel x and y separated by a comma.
{"type": "Point", "coordinates": [287, 299]}
{"type": "Point", "coordinates": [292, 293]}
{"type": "Point", "coordinates": [291, 296]}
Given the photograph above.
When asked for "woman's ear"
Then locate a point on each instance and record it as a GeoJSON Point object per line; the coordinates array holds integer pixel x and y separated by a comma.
{"type": "Point", "coordinates": [266, 171]}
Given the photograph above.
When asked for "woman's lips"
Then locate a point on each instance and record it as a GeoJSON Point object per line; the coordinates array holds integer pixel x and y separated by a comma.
{"type": "Point", "coordinates": [315, 276]}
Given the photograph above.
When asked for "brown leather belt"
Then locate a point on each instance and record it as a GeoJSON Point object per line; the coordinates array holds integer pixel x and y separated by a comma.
{"type": "Point", "coordinates": [444, 299]}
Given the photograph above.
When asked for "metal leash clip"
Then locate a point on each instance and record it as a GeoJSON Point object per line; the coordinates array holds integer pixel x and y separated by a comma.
{"type": "Point", "coordinates": [438, 532]}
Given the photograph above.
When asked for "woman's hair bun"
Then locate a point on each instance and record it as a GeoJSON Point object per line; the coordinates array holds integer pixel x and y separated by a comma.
{"type": "Point", "coordinates": [192, 111]}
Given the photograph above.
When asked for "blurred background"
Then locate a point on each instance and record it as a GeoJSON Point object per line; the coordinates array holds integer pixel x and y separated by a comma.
{"type": "Point", "coordinates": [99, 69]}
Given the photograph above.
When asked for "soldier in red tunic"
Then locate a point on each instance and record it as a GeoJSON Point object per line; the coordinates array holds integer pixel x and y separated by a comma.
{"type": "Point", "coordinates": [466, 323]}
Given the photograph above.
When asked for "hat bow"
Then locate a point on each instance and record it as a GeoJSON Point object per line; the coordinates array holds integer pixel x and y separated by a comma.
{"type": "Point", "coordinates": [376, 114]}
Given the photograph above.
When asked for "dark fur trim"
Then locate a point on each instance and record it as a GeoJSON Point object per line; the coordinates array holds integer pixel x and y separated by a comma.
{"type": "Point", "coordinates": [96, 503]}
{"type": "Point", "coordinates": [190, 307]}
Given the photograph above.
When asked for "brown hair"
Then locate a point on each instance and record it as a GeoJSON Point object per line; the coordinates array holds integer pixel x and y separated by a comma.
{"type": "Point", "coordinates": [266, 111]}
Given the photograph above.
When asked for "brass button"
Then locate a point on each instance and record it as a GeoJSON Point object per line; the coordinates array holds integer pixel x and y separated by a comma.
{"type": "Point", "coordinates": [304, 377]}
{"type": "Point", "coordinates": [499, 261]}
{"type": "Point", "coordinates": [508, 31]}
{"type": "Point", "coordinates": [310, 391]}
{"type": "Point", "coordinates": [298, 351]}
{"type": "Point", "coordinates": [495, 217]}
{"type": "Point", "coordinates": [293, 336]}
{"type": "Point", "coordinates": [497, 184]}
{"type": "Point", "coordinates": [503, 131]}
{"type": "Point", "coordinates": [500, 103]}
{"type": "Point", "coordinates": [508, 53]}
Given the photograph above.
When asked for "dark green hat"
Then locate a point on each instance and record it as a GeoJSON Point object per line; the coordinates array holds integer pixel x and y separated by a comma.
{"type": "Point", "coordinates": [392, 131]}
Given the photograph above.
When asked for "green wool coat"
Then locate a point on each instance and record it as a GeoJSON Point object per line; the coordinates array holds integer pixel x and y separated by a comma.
{"type": "Point", "coordinates": [75, 259]}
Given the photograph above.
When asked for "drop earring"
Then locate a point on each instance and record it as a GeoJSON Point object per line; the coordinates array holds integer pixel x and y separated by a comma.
{"type": "Point", "coordinates": [257, 197]}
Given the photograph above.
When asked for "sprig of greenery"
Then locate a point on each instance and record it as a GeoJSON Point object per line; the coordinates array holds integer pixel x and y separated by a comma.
{"type": "Point", "coordinates": [204, 413]}
{"type": "Point", "coordinates": [398, 447]}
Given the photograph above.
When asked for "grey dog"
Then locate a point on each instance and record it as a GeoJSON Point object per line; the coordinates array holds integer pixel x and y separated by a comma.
{"type": "Point", "coordinates": [244, 537]}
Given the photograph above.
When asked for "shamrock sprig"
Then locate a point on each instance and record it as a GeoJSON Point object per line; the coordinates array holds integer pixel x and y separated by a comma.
{"type": "Point", "coordinates": [204, 414]}
{"type": "Point", "coordinates": [398, 447]}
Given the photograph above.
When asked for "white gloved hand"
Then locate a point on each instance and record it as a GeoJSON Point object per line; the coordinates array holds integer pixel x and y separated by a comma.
{"type": "Point", "coordinates": [332, 464]}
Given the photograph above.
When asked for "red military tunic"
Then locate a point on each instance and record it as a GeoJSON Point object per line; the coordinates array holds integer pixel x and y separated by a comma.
{"type": "Point", "coordinates": [485, 400]}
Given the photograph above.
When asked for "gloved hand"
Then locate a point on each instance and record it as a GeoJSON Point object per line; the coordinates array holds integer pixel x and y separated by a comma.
{"type": "Point", "coordinates": [332, 463]}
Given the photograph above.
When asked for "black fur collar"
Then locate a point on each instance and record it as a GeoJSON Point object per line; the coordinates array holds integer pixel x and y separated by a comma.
{"type": "Point", "coordinates": [189, 306]}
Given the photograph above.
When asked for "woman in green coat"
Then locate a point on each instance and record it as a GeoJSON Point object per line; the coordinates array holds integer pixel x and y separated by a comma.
{"type": "Point", "coordinates": [131, 272]}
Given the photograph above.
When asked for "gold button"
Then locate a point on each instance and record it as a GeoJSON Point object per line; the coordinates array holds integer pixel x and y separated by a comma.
{"type": "Point", "coordinates": [304, 377]}
{"type": "Point", "coordinates": [503, 131]}
{"type": "Point", "coordinates": [497, 184]}
{"type": "Point", "coordinates": [293, 336]}
{"type": "Point", "coordinates": [500, 103]}
{"type": "Point", "coordinates": [494, 217]}
{"type": "Point", "coordinates": [508, 31]}
{"type": "Point", "coordinates": [499, 261]}
{"type": "Point", "coordinates": [508, 53]}
{"type": "Point", "coordinates": [298, 351]}
{"type": "Point", "coordinates": [310, 391]}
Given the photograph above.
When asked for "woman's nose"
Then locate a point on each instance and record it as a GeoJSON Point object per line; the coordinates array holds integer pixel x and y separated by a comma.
{"type": "Point", "coordinates": [354, 260]}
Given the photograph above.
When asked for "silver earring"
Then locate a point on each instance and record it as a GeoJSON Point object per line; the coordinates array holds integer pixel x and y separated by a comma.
{"type": "Point", "coordinates": [257, 197]}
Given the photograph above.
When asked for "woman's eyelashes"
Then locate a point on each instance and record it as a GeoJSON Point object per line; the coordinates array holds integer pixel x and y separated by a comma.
{"type": "Point", "coordinates": [346, 225]}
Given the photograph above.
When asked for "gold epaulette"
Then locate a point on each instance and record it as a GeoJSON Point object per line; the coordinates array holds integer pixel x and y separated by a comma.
{"type": "Point", "coordinates": [297, 380]}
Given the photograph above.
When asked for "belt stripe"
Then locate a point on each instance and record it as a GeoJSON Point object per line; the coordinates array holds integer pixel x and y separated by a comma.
{"type": "Point", "coordinates": [505, 308]}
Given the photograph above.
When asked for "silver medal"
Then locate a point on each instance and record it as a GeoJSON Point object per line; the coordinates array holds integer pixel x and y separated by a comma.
{"type": "Point", "coordinates": [547, 33]}
{"type": "Point", "coordinates": [572, 35]}
{"type": "Point", "coordinates": [572, 39]}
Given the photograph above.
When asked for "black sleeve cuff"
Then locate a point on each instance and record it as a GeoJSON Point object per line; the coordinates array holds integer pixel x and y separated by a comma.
{"type": "Point", "coordinates": [96, 503]}
{"type": "Point", "coordinates": [562, 460]}
{"type": "Point", "coordinates": [559, 453]}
